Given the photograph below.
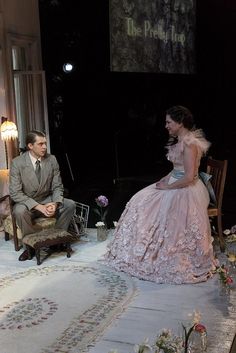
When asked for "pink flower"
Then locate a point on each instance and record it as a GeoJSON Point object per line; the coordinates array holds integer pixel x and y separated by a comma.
{"type": "Point", "coordinates": [229, 280]}
{"type": "Point", "coordinates": [200, 328]}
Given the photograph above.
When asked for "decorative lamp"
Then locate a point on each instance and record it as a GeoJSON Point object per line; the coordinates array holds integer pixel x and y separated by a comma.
{"type": "Point", "coordinates": [8, 132]}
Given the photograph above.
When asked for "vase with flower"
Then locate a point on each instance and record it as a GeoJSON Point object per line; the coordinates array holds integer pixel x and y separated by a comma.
{"type": "Point", "coordinates": [101, 231]}
{"type": "Point", "coordinates": [101, 210]}
{"type": "Point", "coordinates": [195, 337]}
{"type": "Point", "coordinates": [225, 280]}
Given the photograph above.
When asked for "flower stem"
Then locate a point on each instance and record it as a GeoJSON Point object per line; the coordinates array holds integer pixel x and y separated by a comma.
{"type": "Point", "coordinates": [186, 337]}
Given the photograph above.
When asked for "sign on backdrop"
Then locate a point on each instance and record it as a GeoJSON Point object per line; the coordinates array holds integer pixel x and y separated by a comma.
{"type": "Point", "coordinates": [152, 36]}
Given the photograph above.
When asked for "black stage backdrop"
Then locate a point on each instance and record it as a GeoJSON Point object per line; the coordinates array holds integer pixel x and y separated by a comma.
{"type": "Point", "coordinates": [110, 125]}
{"type": "Point", "coordinates": [152, 36]}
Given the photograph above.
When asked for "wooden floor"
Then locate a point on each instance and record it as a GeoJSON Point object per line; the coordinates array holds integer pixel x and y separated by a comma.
{"type": "Point", "coordinates": [154, 307]}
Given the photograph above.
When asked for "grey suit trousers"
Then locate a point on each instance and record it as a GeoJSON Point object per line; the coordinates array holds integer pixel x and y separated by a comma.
{"type": "Point", "coordinates": [25, 218]}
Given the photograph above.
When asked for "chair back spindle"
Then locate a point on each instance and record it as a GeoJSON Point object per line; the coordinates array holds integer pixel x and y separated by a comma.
{"type": "Point", "coordinates": [218, 170]}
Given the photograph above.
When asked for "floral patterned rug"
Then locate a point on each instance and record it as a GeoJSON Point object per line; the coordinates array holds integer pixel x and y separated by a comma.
{"type": "Point", "coordinates": [62, 308]}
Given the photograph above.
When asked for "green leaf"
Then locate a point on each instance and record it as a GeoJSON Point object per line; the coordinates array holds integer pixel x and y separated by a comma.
{"type": "Point", "coordinates": [96, 211]}
{"type": "Point", "coordinates": [105, 213]}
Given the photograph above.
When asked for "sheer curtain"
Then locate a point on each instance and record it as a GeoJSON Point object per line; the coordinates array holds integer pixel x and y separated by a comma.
{"type": "Point", "coordinates": [29, 95]}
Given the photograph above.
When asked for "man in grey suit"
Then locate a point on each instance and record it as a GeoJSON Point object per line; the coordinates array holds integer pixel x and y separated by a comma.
{"type": "Point", "coordinates": [36, 188]}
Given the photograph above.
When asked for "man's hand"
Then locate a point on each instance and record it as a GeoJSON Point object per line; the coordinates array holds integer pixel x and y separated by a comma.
{"type": "Point", "coordinates": [48, 210]}
{"type": "Point", "coordinates": [51, 208]}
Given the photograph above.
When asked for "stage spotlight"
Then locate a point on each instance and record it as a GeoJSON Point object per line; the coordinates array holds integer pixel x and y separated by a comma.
{"type": "Point", "coordinates": [68, 67]}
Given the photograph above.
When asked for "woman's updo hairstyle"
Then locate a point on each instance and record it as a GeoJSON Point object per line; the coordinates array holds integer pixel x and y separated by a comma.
{"type": "Point", "coordinates": [181, 114]}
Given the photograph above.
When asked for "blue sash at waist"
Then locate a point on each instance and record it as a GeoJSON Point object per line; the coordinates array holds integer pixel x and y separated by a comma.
{"type": "Point", "coordinates": [177, 174]}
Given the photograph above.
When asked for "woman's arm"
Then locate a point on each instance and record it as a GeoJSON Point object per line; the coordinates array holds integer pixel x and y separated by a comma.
{"type": "Point", "coordinates": [190, 157]}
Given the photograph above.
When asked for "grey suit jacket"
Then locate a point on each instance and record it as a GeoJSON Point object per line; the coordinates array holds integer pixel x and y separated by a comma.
{"type": "Point", "coordinates": [24, 187]}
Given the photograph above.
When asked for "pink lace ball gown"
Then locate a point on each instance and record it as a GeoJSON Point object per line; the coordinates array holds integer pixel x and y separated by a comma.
{"type": "Point", "coordinates": [164, 236]}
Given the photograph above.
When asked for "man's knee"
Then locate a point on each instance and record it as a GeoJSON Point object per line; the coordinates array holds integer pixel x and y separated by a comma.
{"type": "Point", "coordinates": [69, 204]}
{"type": "Point", "coordinates": [20, 211]}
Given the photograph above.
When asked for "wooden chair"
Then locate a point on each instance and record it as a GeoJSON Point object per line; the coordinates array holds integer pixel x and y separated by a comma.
{"type": "Point", "coordinates": [217, 169]}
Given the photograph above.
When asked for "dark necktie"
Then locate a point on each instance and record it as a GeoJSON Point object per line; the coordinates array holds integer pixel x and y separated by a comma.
{"type": "Point", "coordinates": [38, 170]}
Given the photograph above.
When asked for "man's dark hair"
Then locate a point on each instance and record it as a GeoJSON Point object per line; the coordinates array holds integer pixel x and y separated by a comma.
{"type": "Point", "coordinates": [31, 136]}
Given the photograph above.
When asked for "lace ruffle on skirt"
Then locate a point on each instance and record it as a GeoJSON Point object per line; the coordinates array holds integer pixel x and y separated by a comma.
{"type": "Point", "coordinates": [164, 236]}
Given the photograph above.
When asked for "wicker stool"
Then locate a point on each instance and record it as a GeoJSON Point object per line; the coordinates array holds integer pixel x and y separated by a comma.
{"type": "Point", "coordinates": [46, 238]}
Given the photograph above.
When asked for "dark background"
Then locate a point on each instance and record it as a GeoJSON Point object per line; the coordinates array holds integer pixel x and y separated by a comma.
{"type": "Point", "coordinates": [110, 126]}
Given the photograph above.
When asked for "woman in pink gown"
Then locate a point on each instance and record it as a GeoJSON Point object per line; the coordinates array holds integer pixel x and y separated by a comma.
{"type": "Point", "coordinates": [164, 234]}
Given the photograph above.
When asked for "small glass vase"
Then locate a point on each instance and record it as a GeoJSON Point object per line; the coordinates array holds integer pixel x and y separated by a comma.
{"type": "Point", "coordinates": [203, 341]}
{"type": "Point", "coordinates": [101, 233]}
{"type": "Point", "coordinates": [198, 342]}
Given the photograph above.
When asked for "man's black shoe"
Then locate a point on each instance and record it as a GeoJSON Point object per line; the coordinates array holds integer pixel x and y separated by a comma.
{"type": "Point", "coordinates": [24, 256]}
